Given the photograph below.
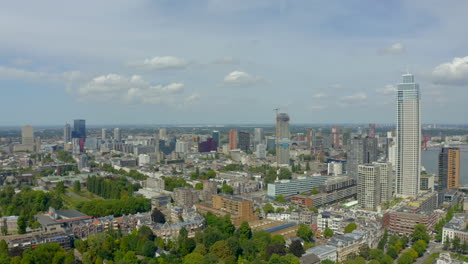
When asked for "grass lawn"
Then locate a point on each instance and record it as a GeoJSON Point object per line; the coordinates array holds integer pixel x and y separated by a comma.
{"type": "Point", "coordinates": [72, 198]}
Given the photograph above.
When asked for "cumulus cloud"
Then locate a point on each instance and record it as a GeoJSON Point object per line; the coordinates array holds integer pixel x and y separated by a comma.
{"type": "Point", "coordinates": [129, 90]}
{"type": "Point", "coordinates": [394, 49]}
{"type": "Point", "coordinates": [239, 78]}
{"type": "Point", "coordinates": [227, 60]}
{"type": "Point", "coordinates": [160, 63]}
{"type": "Point", "coordinates": [388, 89]}
{"type": "Point", "coordinates": [452, 73]}
{"type": "Point", "coordinates": [319, 96]}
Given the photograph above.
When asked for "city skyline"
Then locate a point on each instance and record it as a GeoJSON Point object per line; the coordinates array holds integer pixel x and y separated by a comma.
{"type": "Point", "coordinates": [142, 72]}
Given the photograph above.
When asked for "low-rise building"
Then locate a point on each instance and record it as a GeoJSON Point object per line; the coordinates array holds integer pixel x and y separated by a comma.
{"type": "Point", "coordinates": [239, 208]}
{"type": "Point", "coordinates": [347, 244]}
{"type": "Point", "coordinates": [323, 252]}
{"type": "Point", "coordinates": [456, 228]}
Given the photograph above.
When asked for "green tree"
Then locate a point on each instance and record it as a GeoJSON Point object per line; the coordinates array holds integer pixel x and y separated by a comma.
{"type": "Point", "coordinates": [280, 199]}
{"type": "Point", "coordinates": [227, 189]}
{"type": "Point", "coordinates": [315, 191]}
{"type": "Point", "coordinates": [268, 208]}
{"type": "Point", "coordinates": [405, 259]}
{"type": "Point", "coordinates": [364, 251]}
{"type": "Point", "coordinates": [456, 243]}
{"type": "Point", "coordinates": [60, 188]}
{"type": "Point", "coordinates": [22, 224]}
{"type": "Point", "coordinates": [420, 247]}
{"type": "Point", "coordinates": [350, 227]}
{"type": "Point", "coordinates": [244, 231]}
{"type": "Point", "coordinates": [420, 233]}
{"type": "Point", "coordinates": [193, 258]}
{"type": "Point", "coordinates": [77, 186]}
{"type": "Point", "coordinates": [328, 232]}
{"type": "Point", "coordinates": [447, 243]}
{"type": "Point", "coordinates": [392, 252]}
{"type": "Point", "coordinates": [157, 216]}
{"type": "Point", "coordinates": [304, 232]}
{"type": "Point", "coordinates": [221, 249]}
{"type": "Point", "coordinates": [199, 186]}
{"type": "Point", "coordinates": [296, 248]}
{"type": "Point", "coordinates": [327, 261]}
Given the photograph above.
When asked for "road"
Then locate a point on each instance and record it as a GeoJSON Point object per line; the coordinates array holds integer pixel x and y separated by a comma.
{"type": "Point", "coordinates": [433, 247]}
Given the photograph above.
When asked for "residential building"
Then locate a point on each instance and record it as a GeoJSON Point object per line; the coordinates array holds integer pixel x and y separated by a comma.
{"type": "Point", "coordinates": [282, 139]}
{"type": "Point", "coordinates": [243, 141]}
{"type": "Point", "coordinates": [239, 208]}
{"type": "Point", "coordinates": [348, 244]}
{"type": "Point", "coordinates": [295, 186]}
{"type": "Point", "coordinates": [427, 182]}
{"type": "Point", "coordinates": [258, 136]}
{"type": "Point", "coordinates": [408, 137]}
{"type": "Point", "coordinates": [368, 186]}
{"type": "Point", "coordinates": [323, 252]}
{"type": "Point", "coordinates": [361, 151]}
{"type": "Point", "coordinates": [449, 168]}
{"type": "Point", "coordinates": [103, 134]}
{"type": "Point", "coordinates": [260, 151]}
{"type": "Point", "coordinates": [185, 196]}
{"type": "Point", "coordinates": [456, 228]}
{"type": "Point", "coordinates": [162, 133]}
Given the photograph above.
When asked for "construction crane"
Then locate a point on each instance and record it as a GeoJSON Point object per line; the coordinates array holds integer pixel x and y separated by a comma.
{"type": "Point", "coordinates": [276, 110]}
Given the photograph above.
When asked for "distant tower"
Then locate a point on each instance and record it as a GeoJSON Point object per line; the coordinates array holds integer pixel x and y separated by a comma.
{"type": "Point", "coordinates": [361, 151]}
{"type": "Point", "coordinates": [233, 139]}
{"type": "Point", "coordinates": [103, 134]}
{"type": "Point", "coordinates": [67, 133]}
{"type": "Point", "coordinates": [243, 141]}
{"type": "Point", "coordinates": [258, 135]}
{"type": "Point", "coordinates": [449, 168]}
{"type": "Point", "coordinates": [372, 130]}
{"type": "Point", "coordinates": [79, 132]}
{"type": "Point", "coordinates": [282, 139]}
{"type": "Point", "coordinates": [215, 136]}
{"type": "Point", "coordinates": [27, 135]}
{"type": "Point", "coordinates": [336, 137]}
{"type": "Point", "coordinates": [117, 135]}
{"type": "Point", "coordinates": [162, 133]}
{"type": "Point", "coordinates": [408, 137]}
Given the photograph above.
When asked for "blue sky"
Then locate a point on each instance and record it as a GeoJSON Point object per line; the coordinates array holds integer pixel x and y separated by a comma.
{"type": "Point", "coordinates": [229, 61]}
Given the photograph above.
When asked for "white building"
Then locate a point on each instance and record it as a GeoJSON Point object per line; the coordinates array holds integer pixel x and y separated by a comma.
{"type": "Point", "coordinates": [335, 168]}
{"type": "Point", "coordinates": [181, 147]}
{"type": "Point", "coordinates": [323, 252]}
{"type": "Point", "coordinates": [260, 152]}
{"type": "Point", "coordinates": [408, 137]}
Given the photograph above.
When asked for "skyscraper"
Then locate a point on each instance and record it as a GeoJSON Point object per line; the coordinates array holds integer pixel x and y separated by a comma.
{"type": "Point", "coordinates": [233, 139]}
{"type": "Point", "coordinates": [79, 128]}
{"type": "Point", "coordinates": [117, 135]}
{"type": "Point", "coordinates": [449, 168]}
{"type": "Point", "coordinates": [243, 140]}
{"type": "Point", "coordinates": [336, 142]}
{"type": "Point", "coordinates": [282, 139]}
{"type": "Point", "coordinates": [368, 186]}
{"type": "Point", "coordinates": [215, 136]}
{"type": "Point", "coordinates": [371, 130]}
{"type": "Point", "coordinates": [27, 135]}
{"type": "Point", "coordinates": [361, 151]}
{"type": "Point", "coordinates": [162, 133]}
{"type": "Point", "coordinates": [103, 134]}
{"type": "Point", "coordinates": [67, 133]}
{"type": "Point", "coordinates": [258, 136]}
{"type": "Point", "coordinates": [408, 137]}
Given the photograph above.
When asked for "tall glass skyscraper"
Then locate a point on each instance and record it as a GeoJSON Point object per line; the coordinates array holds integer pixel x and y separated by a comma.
{"type": "Point", "coordinates": [282, 139]}
{"type": "Point", "coordinates": [408, 137]}
{"type": "Point", "coordinates": [79, 128]}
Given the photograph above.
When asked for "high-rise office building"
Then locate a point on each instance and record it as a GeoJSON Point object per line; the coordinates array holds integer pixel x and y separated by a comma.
{"type": "Point", "coordinates": [233, 139]}
{"type": "Point", "coordinates": [67, 133]}
{"type": "Point", "coordinates": [361, 151]}
{"type": "Point", "coordinates": [27, 135]}
{"type": "Point", "coordinates": [386, 181]}
{"type": "Point", "coordinates": [408, 137]}
{"type": "Point", "coordinates": [282, 139]}
{"type": "Point", "coordinates": [258, 135]}
{"type": "Point", "coordinates": [215, 136]}
{"type": "Point", "coordinates": [79, 128]}
{"type": "Point", "coordinates": [449, 168]}
{"type": "Point", "coordinates": [103, 134]}
{"type": "Point", "coordinates": [243, 140]}
{"type": "Point", "coordinates": [117, 135]}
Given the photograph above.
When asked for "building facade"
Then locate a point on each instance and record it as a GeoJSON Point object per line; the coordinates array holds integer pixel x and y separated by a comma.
{"type": "Point", "coordinates": [449, 168]}
{"type": "Point", "coordinates": [408, 137]}
{"type": "Point", "coordinates": [282, 139]}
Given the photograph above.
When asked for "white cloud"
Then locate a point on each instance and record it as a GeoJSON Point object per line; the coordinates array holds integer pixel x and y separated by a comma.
{"type": "Point", "coordinates": [161, 63]}
{"type": "Point", "coordinates": [227, 60]}
{"type": "Point", "coordinates": [394, 49]}
{"type": "Point", "coordinates": [354, 99]}
{"type": "Point", "coordinates": [452, 73]}
{"type": "Point", "coordinates": [131, 90]}
{"type": "Point", "coordinates": [22, 62]}
{"type": "Point", "coordinates": [319, 95]}
{"type": "Point", "coordinates": [10, 73]}
{"type": "Point", "coordinates": [239, 78]}
{"type": "Point", "coordinates": [388, 89]}
{"type": "Point", "coordinates": [315, 107]}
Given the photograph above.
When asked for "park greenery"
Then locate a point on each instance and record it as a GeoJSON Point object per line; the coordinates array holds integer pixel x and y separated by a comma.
{"type": "Point", "coordinates": [134, 174]}
{"type": "Point", "coordinates": [111, 187]}
{"type": "Point", "coordinates": [170, 183]}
